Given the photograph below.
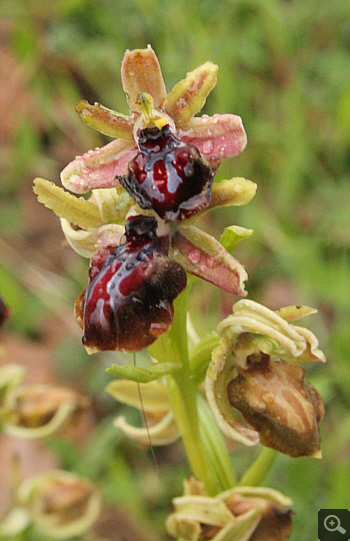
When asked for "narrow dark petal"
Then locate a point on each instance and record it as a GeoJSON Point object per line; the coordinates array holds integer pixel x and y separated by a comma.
{"type": "Point", "coordinates": [128, 302]}
{"type": "Point", "coordinates": [168, 176]}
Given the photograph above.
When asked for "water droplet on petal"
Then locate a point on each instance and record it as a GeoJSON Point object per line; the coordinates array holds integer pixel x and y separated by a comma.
{"type": "Point", "coordinates": [208, 147]}
{"type": "Point", "coordinates": [212, 262]}
{"type": "Point", "coordinates": [181, 103]}
{"type": "Point", "coordinates": [194, 256]}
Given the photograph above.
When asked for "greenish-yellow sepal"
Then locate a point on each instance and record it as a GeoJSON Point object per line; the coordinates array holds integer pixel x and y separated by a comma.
{"type": "Point", "coordinates": [236, 191]}
{"type": "Point", "coordinates": [105, 120]}
{"type": "Point", "coordinates": [189, 95]}
{"type": "Point", "coordinates": [75, 210]}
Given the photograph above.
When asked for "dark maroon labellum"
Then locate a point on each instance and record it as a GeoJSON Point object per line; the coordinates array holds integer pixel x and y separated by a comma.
{"type": "Point", "coordinates": [128, 302]}
{"type": "Point", "coordinates": [168, 176]}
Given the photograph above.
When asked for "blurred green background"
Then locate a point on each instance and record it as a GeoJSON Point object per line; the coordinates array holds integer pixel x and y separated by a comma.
{"type": "Point", "coordinates": [284, 67]}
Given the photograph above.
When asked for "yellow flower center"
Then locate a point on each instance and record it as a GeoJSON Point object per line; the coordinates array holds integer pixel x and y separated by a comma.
{"type": "Point", "coordinates": [150, 116]}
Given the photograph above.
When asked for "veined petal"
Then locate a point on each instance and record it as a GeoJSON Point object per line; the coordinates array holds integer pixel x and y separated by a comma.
{"type": "Point", "coordinates": [105, 120]}
{"type": "Point", "coordinates": [141, 73]}
{"type": "Point", "coordinates": [189, 95]}
{"type": "Point", "coordinates": [217, 138]}
{"type": "Point", "coordinates": [202, 255]}
{"type": "Point", "coordinates": [99, 168]}
{"type": "Point", "coordinates": [279, 404]}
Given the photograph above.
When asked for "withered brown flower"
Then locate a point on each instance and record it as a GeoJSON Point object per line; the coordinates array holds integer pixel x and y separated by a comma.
{"type": "Point", "coordinates": [254, 377]}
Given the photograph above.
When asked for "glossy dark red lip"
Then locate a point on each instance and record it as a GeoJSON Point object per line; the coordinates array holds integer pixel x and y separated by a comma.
{"type": "Point", "coordinates": [129, 300]}
{"type": "Point", "coordinates": [168, 175]}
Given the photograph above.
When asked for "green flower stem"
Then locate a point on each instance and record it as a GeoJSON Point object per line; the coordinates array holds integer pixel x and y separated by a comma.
{"type": "Point", "coordinates": [200, 355]}
{"type": "Point", "coordinates": [257, 472]}
{"type": "Point", "coordinates": [183, 396]}
{"type": "Point", "coordinates": [220, 458]}
{"type": "Point", "coordinates": [198, 437]}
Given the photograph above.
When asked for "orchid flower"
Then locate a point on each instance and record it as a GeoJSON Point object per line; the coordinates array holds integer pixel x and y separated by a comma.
{"type": "Point", "coordinates": [255, 371]}
{"type": "Point", "coordinates": [161, 425]}
{"type": "Point", "coordinates": [59, 504]}
{"type": "Point", "coordinates": [146, 188]}
{"type": "Point", "coordinates": [40, 410]}
{"type": "Point", "coordinates": [239, 514]}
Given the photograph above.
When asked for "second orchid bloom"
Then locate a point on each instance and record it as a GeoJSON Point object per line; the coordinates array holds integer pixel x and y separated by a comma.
{"type": "Point", "coordinates": [151, 180]}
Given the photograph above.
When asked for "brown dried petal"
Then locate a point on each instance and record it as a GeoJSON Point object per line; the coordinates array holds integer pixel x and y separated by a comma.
{"type": "Point", "coordinates": [276, 401]}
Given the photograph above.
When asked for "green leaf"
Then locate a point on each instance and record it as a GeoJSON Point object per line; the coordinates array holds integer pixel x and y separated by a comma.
{"type": "Point", "coordinates": [142, 375]}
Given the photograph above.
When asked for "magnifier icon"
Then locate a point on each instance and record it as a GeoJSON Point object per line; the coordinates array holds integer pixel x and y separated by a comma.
{"type": "Point", "coordinates": [332, 524]}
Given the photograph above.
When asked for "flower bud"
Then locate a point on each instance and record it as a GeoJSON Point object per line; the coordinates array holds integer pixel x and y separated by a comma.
{"type": "Point", "coordinates": [60, 504]}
